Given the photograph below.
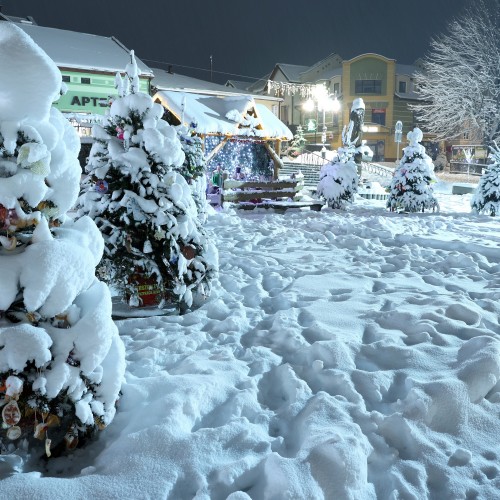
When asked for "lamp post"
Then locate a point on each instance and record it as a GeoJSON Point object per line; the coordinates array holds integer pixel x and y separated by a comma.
{"type": "Point", "coordinates": [322, 100]}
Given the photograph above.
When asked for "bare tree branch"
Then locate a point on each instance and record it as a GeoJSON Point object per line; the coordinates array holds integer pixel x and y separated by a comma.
{"type": "Point", "coordinates": [460, 81]}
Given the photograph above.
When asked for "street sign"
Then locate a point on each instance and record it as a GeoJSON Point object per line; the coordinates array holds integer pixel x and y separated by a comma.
{"type": "Point", "coordinates": [398, 134]}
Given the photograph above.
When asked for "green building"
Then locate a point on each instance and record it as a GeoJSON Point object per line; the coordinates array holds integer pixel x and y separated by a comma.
{"type": "Point", "coordinates": [88, 64]}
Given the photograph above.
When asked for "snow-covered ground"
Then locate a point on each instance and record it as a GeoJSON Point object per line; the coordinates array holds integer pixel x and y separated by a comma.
{"type": "Point", "coordinates": [343, 355]}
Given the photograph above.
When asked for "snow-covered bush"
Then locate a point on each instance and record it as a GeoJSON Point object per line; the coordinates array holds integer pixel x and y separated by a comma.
{"type": "Point", "coordinates": [143, 205]}
{"type": "Point", "coordinates": [338, 180]}
{"type": "Point", "coordinates": [61, 359]}
{"type": "Point", "coordinates": [411, 188]}
{"type": "Point", "coordinates": [486, 199]}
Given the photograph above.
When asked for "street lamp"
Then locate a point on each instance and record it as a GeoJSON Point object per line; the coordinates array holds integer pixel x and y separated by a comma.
{"type": "Point", "coordinates": [322, 99]}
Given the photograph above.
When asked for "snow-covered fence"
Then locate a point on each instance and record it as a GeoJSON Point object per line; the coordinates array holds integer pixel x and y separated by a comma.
{"type": "Point", "coordinates": [312, 158]}
{"type": "Point", "coordinates": [375, 168]}
{"type": "Point", "coordinates": [241, 191]}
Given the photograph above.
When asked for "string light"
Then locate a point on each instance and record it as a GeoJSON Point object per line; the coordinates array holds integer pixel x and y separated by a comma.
{"type": "Point", "coordinates": [305, 90]}
{"type": "Point", "coordinates": [247, 157]}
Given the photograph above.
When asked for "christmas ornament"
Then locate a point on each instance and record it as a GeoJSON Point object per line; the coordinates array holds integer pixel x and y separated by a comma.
{"type": "Point", "coordinates": [4, 217]}
{"type": "Point", "coordinates": [48, 442]}
{"type": "Point", "coordinates": [71, 438]}
{"type": "Point", "coordinates": [40, 167]}
{"type": "Point", "coordinates": [61, 321]}
{"type": "Point", "coordinates": [101, 186]}
{"type": "Point", "coordinates": [120, 133]}
{"type": "Point", "coordinates": [188, 252]}
{"type": "Point", "coordinates": [11, 414]}
{"type": "Point", "coordinates": [40, 430]}
{"type": "Point", "coordinates": [13, 387]}
{"type": "Point", "coordinates": [14, 432]}
{"type": "Point", "coordinates": [159, 234]}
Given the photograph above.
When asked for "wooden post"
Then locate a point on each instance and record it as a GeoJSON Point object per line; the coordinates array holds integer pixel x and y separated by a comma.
{"type": "Point", "coordinates": [216, 149]}
{"type": "Point", "coordinates": [276, 159]}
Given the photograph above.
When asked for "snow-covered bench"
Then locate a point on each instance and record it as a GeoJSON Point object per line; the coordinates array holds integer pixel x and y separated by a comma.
{"type": "Point", "coordinates": [278, 195]}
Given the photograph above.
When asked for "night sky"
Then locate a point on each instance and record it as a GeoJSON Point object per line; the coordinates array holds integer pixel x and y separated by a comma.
{"type": "Point", "coordinates": [246, 39]}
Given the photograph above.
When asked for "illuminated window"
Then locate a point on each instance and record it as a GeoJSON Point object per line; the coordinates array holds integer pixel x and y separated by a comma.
{"type": "Point", "coordinates": [368, 86]}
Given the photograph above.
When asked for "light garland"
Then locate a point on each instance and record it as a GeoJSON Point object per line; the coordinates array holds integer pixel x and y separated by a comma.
{"type": "Point", "coordinates": [305, 90]}
{"type": "Point", "coordinates": [247, 155]}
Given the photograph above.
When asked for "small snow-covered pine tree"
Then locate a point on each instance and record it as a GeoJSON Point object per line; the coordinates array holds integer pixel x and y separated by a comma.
{"type": "Point", "coordinates": [486, 199]}
{"type": "Point", "coordinates": [143, 205]}
{"type": "Point", "coordinates": [193, 168]}
{"type": "Point", "coordinates": [338, 180]}
{"type": "Point", "coordinates": [411, 188]}
{"type": "Point", "coordinates": [62, 361]}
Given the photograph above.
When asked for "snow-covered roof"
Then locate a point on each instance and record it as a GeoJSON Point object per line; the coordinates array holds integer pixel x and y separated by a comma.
{"type": "Point", "coordinates": [238, 84]}
{"type": "Point", "coordinates": [70, 49]}
{"type": "Point", "coordinates": [224, 115]}
{"type": "Point", "coordinates": [292, 71]}
{"type": "Point", "coordinates": [163, 80]}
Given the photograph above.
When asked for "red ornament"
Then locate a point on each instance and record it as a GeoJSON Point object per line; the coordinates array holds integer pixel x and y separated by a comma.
{"type": "Point", "coordinates": [11, 414]}
{"type": "Point", "coordinates": [188, 252]}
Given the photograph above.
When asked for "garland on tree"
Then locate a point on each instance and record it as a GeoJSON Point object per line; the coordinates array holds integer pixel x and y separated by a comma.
{"type": "Point", "coordinates": [193, 167]}
{"type": "Point", "coordinates": [61, 359]}
{"type": "Point", "coordinates": [411, 189]}
{"type": "Point", "coordinates": [486, 199]}
{"type": "Point", "coordinates": [143, 205]}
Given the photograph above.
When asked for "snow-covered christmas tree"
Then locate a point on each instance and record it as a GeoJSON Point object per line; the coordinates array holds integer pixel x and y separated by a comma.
{"type": "Point", "coordinates": [298, 143]}
{"type": "Point", "coordinates": [338, 180]}
{"type": "Point", "coordinates": [411, 185]}
{"type": "Point", "coordinates": [193, 168]}
{"type": "Point", "coordinates": [486, 199]}
{"type": "Point", "coordinates": [62, 362]}
{"type": "Point", "coordinates": [155, 247]}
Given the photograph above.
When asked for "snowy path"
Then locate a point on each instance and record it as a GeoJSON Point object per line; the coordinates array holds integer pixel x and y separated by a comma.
{"type": "Point", "coordinates": [344, 355]}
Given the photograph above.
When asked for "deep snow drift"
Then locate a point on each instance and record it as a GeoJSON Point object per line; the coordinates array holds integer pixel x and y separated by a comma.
{"type": "Point", "coordinates": [342, 355]}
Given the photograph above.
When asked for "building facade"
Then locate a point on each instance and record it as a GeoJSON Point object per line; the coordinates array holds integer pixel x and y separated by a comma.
{"type": "Point", "coordinates": [386, 87]}
{"type": "Point", "coordinates": [88, 64]}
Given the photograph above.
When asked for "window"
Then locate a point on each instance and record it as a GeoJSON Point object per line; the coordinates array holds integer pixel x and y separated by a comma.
{"type": "Point", "coordinates": [368, 86]}
{"type": "Point", "coordinates": [85, 80]}
{"type": "Point", "coordinates": [66, 78]}
{"type": "Point", "coordinates": [336, 88]}
{"type": "Point", "coordinates": [378, 116]}
{"type": "Point", "coordinates": [402, 87]}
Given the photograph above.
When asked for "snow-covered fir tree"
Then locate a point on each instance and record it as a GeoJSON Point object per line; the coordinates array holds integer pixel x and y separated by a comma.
{"type": "Point", "coordinates": [411, 185]}
{"type": "Point", "coordinates": [62, 362]}
{"type": "Point", "coordinates": [338, 180]}
{"type": "Point", "coordinates": [193, 167]}
{"type": "Point", "coordinates": [143, 205]}
{"type": "Point", "coordinates": [486, 199]}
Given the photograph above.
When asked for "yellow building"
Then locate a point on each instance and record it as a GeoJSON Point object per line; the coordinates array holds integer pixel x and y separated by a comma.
{"type": "Point", "coordinates": [386, 87]}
